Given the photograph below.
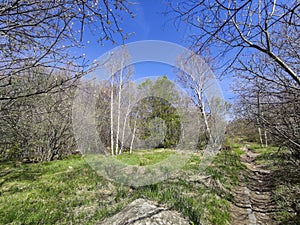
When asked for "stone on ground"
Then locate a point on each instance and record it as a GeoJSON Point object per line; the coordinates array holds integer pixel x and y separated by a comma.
{"type": "Point", "coordinates": [144, 212]}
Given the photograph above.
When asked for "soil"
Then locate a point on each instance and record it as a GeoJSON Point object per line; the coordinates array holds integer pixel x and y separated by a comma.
{"type": "Point", "coordinates": [253, 196]}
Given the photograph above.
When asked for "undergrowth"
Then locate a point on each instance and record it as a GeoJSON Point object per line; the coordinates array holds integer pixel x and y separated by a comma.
{"type": "Point", "coordinates": [70, 192]}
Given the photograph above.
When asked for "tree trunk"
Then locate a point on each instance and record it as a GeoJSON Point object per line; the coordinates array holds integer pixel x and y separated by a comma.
{"type": "Point", "coordinates": [124, 128]}
{"type": "Point", "coordinates": [119, 106]}
{"type": "Point", "coordinates": [258, 120]}
{"type": "Point", "coordinates": [260, 137]}
{"type": "Point", "coordinates": [266, 138]}
{"type": "Point", "coordinates": [112, 115]}
{"type": "Point", "coordinates": [202, 109]}
{"type": "Point", "coordinates": [133, 136]}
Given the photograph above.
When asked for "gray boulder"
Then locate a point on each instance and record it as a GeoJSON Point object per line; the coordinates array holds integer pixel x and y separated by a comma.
{"type": "Point", "coordinates": [145, 212]}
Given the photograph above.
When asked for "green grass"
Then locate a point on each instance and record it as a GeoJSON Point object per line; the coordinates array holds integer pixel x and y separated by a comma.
{"type": "Point", "coordinates": [198, 202]}
{"type": "Point", "coordinates": [70, 192]}
{"type": "Point", "coordinates": [227, 167]}
{"type": "Point", "coordinates": [144, 157]}
{"type": "Point", "coordinates": [58, 192]}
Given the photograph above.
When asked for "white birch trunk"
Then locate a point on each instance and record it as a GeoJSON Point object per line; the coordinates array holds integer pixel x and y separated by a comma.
{"type": "Point", "coordinates": [260, 137]}
{"type": "Point", "coordinates": [202, 108]}
{"type": "Point", "coordinates": [112, 116]}
{"type": "Point", "coordinates": [266, 138]}
{"type": "Point", "coordinates": [119, 106]}
{"type": "Point", "coordinates": [124, 128]}
{"type": "Point", "coordinates": [133, 136]}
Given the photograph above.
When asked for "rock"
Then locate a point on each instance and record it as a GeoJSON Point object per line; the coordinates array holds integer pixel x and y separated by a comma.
{"type": "Point", "coordinates": [144, 212]}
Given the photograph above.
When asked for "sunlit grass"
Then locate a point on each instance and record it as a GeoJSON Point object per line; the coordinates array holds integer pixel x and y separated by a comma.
{"type": "Point", "coordinates": [60, 192]}
{"type": "Point", "coordinates": [145, 157]}
{"type": "Point", "coordinates": [70, 191]}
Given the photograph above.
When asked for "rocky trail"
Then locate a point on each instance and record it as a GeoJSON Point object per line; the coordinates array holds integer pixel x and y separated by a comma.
{"type": "Point", "coordinates": [252, 203]}
{"type": "Point", "coordinates": [252, 197]}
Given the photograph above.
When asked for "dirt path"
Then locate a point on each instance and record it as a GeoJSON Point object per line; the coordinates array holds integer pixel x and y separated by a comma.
{"type": "Point", "coordinates": [252, 198]}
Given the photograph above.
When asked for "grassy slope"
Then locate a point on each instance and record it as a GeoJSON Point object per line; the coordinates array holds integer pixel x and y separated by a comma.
{"type": "Point", "coordinates": [69, 191]}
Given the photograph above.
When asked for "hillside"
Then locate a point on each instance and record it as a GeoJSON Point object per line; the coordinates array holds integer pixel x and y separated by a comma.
{"type": "Point", "coordinates": [70, 192]}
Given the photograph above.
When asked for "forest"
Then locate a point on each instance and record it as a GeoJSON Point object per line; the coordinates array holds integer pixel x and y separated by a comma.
{"type": "Point", "coordinates": [80, 147]}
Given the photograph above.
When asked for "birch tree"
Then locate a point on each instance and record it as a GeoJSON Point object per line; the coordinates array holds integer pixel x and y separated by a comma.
{"type": "Point", "coordinates": [112, 115]}
{"type": "Point", "coordinates": [130, 96]}
{"type": "Point", "coordinates": [259, 118]}
{"type": "Point", "coordinates": [124, 75]}
{"type": "Point", "coordinates": [120, 73]}
{"type": "Point", "coordinates": [133, 135]}
{"type": "Point", "coordinates": [195, 78]}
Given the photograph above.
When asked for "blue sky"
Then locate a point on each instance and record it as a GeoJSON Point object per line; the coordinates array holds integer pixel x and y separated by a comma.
{"type": "Point", "coordinates": [149, 24]}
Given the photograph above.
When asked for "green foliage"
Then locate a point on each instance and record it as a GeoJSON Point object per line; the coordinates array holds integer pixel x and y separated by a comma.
{"type": "Point", "coordinates": [203, 140]}
{"type": "Point", "coordinates": [149, 110]}
{"type": "Point", "coordinates": [69, 191]}
{"type": "Point", "coordinates": [12, 152]}
{"type": "Point", "coordinates": [287, 199]}
{"type": "Point", "coordinates": [157, 119]}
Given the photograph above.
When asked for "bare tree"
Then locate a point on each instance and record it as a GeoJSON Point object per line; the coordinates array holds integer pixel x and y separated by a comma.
{"type": "Point", "coordinates": [128, 99]}
{"type": "Point", "coordinates": [103, 112]}
{"type": "Point", "coordinates": [195, 78]}
{"type": "Point", "coordinates": [117, 66]}
{"type": "Point", "coordinates": [261, 42]}
{"type": "Point", "coordinates": [278, 102]}
{"type": "Point", "coordinates": [133, 135]}
{"type": "Point", "coordinates": [39, 127]}
{"type": "Point", "coordinates": [124, 126]}
{"type": "Point", "coordinates": [233, 28]}
{"type": "Point", "coordinates": [259, 114]}
{"type": "Point", "coordinates": [112, 115]}
{"type": "Point", "coordinates": [38, 68]}
{"type": "Point", "coordinates": [42, 34]}
{"type": "Point", "coordinates": [124, 74]}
